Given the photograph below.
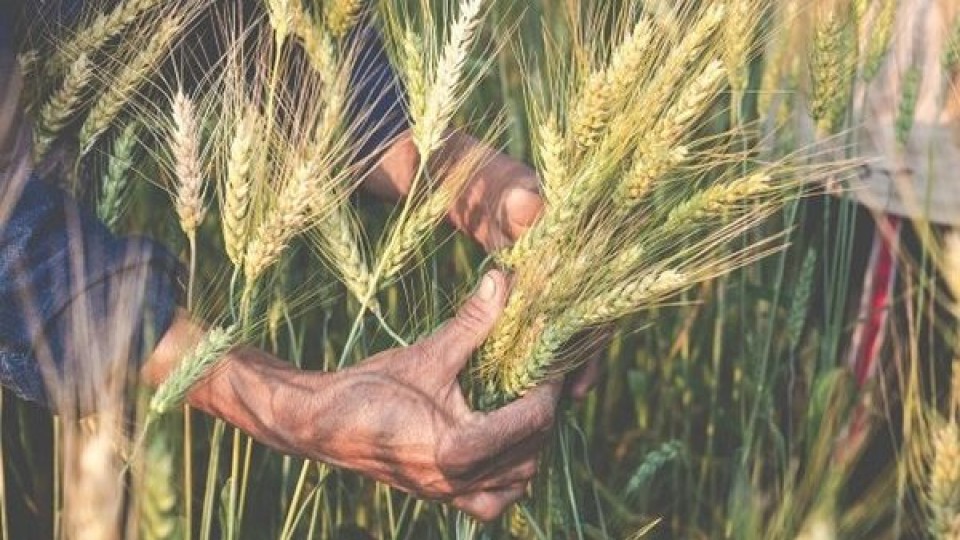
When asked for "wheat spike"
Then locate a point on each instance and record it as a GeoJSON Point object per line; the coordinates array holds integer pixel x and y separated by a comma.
{"type": "Point", "coordinates": [554, 174]}
{"type": "Point", "coordinates": [737, 37]}
{"type": "Point", "coordinates": [414, 74]}
{"type": "Point", "coordinates": [282, 15]}
{"type": "Point", "coordinates": [101, 29]}
{"type": "Point", "coordinates": [64, 103]}
{"type": "Point", "coordinates": [342, 15]}
{"type": "Point", "coordinates": [205, 355]}
{"type": "Point", "coordinates": [122, 88]}
{"type": "Point", "coordinates": [944, 484]}
{"type": "Point", "coordinates": [606, 89]}
{"type": "Point", "coordinates": [185, 150]}
{"type": "Point", "coordinates": [658, 151]}
{"type": "Point", "coordinates": [445, 86]}
{"type": "Point", "coordinates": [316, 42]}
{"type": "Point", "coordinates": [116, 180]}
{"type": "Point", "coordinates": [289, 218]}
{"type": "Point", "coordinates": [831, 71]}
{"type": "Point", "coordinates": [717, 201]}
{"type": "Point", "coordinates": [340, 236]}
{"type": "Point", "coordinates": [238, 186]}
{"type": "Point", "coordinates": [674, 69]}
{"type": "Point", "coordinates": [411, 234]}
{"type": "Point", "coordinates": [879, 42]}
{"type": "Point", "coordinates": [158, 496]}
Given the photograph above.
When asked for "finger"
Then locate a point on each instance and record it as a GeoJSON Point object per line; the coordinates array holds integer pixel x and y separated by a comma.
{"type": "Point", "coordinates": [522, 206]}
{"type": "Point", "coordinates": [531, 415]}
{"type": "Point", "coordinates": [586, 378]}
{"type": "Point", "coordinates": [488, 505]}
{"type": "Point", "coordinates": [456, 340]}
{"type": "Point", "coordinates": [521, 472]}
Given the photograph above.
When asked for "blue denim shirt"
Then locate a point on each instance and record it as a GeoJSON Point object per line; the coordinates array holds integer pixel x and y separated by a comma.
{"type": "Point", "coordinates": [66, 281]}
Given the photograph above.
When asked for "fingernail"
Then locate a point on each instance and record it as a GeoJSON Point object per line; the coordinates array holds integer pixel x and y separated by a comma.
{"type": "Point", "coordinates": [487, 288]}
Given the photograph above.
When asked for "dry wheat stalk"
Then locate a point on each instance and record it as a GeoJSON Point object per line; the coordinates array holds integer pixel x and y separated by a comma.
{"type": "Point", "coordinates": [239, 185]}
{"type": "Point", "coordinates": [101, 29]}
{"type": "Point", "coordinates": [121, 89]}
{"type": "Point", "coordinates": [64, 103]}
{"type": "Point", "coordinates": [184, 143]}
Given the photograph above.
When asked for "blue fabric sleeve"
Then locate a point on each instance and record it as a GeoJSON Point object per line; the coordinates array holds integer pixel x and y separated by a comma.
{"type": "Point", "coordinates": [72, 295]}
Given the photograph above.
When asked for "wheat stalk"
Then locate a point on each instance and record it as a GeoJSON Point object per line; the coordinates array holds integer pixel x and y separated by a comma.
{"type": "Point", "coordinates": [64, 103]}
{"type": "Point", "coordinates": [239, 185]}
{"type": "Point", "coordinates": [205, 355]}
{"type": "Point", "coordinates": [101, 29]}
{"type": "Point", "coordinates": [122, 88]}
{"type": "Point", "coordinates": [116, 179]}
{"type": "Point", "coordinates": [185, 149]}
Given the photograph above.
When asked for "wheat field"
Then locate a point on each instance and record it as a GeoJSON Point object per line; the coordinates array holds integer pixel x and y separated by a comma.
{"type": "Point", "coordinates": [698, 236]}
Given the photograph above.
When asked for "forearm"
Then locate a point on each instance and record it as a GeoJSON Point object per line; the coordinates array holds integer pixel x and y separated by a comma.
{"type": "Point", "coordinates": [265, 397]}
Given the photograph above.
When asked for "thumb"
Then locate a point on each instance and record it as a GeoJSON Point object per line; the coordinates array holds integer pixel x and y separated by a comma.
{"type": "Point", "coordinates": [456, 340]}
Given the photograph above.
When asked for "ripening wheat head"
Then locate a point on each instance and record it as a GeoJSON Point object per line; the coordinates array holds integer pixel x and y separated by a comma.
{"type": "Point", "coordinates": [185, 145]}
{"type": "Point", "coordinates": [640, 206]}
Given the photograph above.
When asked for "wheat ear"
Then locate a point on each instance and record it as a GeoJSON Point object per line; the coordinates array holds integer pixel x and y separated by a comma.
{"type": "Point", "coordinates": [606, 89]}
{"type": "Point", "coordinates": [211, 349]}
{"type": "Point", "coordinates": [104, 26]}
{"type": "Point", "coordinates": [290, 216]}
{"type": "Point", "coordinates": [116, 180]}
{"type": "Point", "coordinates": [340, 235]}
{"type": "Point", "coordinates": [238, 187]}
{"type": "Point", "coordinates": [831, 72]}
{"type": "Point", "coordinates": [123, 87]}
{"type": "Point", "coordinates": [658, 151]}
{"type": "Point", "coordinates": [317, 43]}
{"type": "Point", "coordinates": [64, 103]}
{"type": "Point", "coordinates": [282, 15]}
{"type": "Point", "coordinates": [554, 171]}
{"type": "Point", "coordinates": [341, 16]}
{"type": "Point", "coordinates": [445, 87]}
{"type": "Point", "coordinates": [944, 484]}
{"type": "Point", "coordinates": [879, 42]}
{"type": "Point", "coordinates": [185, 149]}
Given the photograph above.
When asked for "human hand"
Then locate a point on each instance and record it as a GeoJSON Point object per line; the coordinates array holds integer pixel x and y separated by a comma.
{"type": "Point", "coordinates": [400, 417]}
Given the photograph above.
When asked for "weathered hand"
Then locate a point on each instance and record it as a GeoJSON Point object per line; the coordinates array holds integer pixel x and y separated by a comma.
{"type": "Point", "coordinates": [400, 417]}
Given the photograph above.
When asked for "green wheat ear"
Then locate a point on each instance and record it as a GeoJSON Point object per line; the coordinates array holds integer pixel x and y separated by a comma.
{"type": "Point", "coordinates": [204, 357]}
